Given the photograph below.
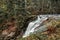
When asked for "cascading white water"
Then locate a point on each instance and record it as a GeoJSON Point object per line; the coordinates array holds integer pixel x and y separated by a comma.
{"type": "Point", "coordinates": [34, 24]}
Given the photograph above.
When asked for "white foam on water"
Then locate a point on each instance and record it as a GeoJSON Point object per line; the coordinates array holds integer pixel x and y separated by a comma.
{"type": "Point", "coordinates": [34, 24]}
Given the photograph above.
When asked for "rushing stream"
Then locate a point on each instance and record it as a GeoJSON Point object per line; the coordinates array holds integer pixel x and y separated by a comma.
{"type": "Point", "coordinates": [36, 25]}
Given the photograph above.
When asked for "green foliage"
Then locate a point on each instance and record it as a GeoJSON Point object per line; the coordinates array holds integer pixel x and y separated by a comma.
{"type": "Point", "coordinates": [22, 10]}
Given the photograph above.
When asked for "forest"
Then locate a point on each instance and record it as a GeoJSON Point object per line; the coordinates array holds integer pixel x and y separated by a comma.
{"type": "Point", "coordinates": [15, 16]}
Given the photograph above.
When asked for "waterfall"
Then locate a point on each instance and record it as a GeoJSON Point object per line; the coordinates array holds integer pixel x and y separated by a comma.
{"type": "Point", "coordinates": [37, 24]}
